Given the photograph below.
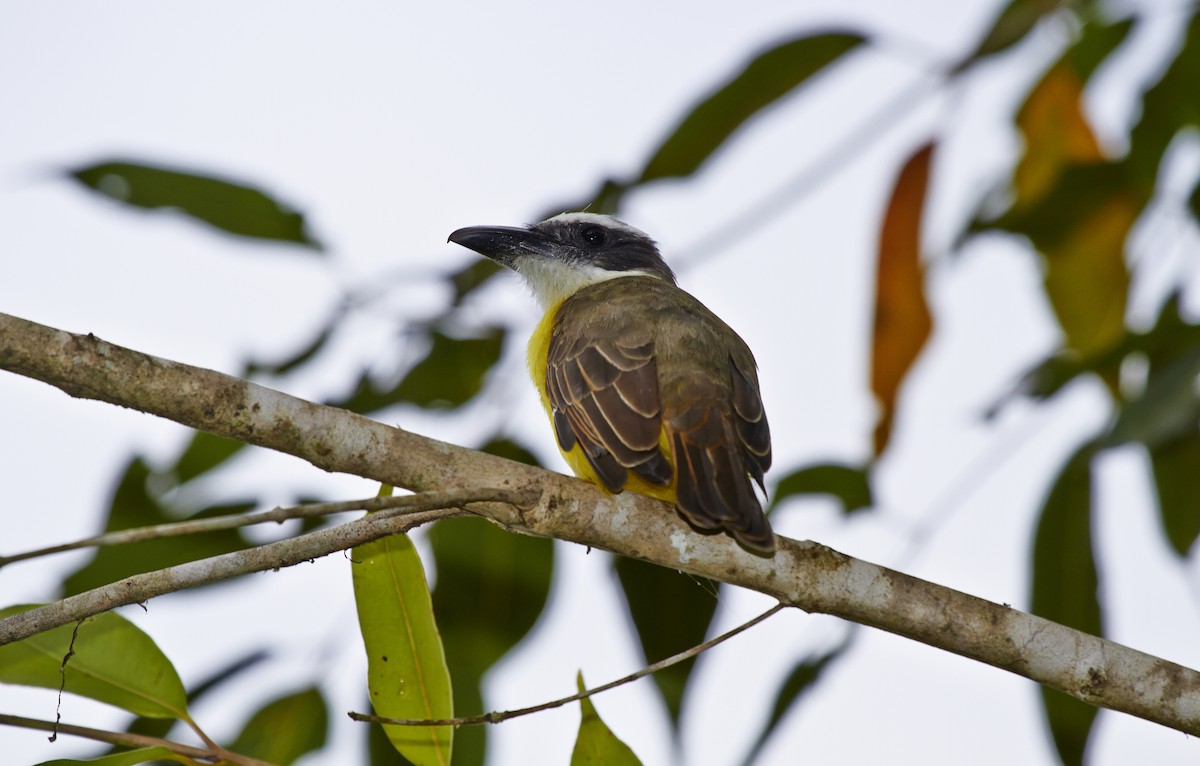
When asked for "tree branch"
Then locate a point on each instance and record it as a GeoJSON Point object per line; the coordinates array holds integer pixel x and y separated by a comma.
{"type": "Point", "coordinates": [806, 575]}
{"type": "Point", "coordinates": [236, 521]}
{"type": "Point", "coordinates": [130, 739]}
{"type": "Point", "coordinates": [424, 507]}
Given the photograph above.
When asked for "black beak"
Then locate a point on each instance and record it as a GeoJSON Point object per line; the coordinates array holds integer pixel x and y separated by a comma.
{"type": "Point", "coordinates": [503, 244]}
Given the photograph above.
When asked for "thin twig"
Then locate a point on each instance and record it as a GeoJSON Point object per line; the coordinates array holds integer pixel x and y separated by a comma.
{"type": "Point", "coordinates": [499, 716]}
{"type": "Point", "coordinates": [426, 507]}
{"type": "Point", "coordinates": [129, 739]}
{"type": "Point", "coordinates": [221, 523]}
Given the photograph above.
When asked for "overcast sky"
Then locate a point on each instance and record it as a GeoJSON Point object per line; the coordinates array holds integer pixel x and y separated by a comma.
{"type": "Point", "coordinates": [393, 124]}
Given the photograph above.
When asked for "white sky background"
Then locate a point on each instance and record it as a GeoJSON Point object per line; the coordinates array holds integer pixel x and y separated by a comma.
{"type": "Point", "coordinates": [393, 124]}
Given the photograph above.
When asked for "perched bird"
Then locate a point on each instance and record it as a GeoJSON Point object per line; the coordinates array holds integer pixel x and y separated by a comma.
{"type": "Point", "coordinates": [647, 390]}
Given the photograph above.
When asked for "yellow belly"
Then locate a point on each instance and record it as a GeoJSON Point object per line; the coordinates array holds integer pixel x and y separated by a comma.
{"type": "Point", "coordinates": [539, 347]}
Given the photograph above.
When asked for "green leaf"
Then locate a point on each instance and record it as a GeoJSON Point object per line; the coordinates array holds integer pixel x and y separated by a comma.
{"type": "Point", "coordinates": [1170, 338]}
{"type": "Point", "coordinates": [1167, 108]}
{"type": "Point", "coordinates": [1064, 589]}
{"type": "Point", "coordinates": [160, 727]}
{"type": "Point", "coordinates": [768, 77]}
{"type": "Point", "coordinates": [406, 666]}
{"type": "Point", "coordinates": [1177, 482]}
{"type": "Point", "coordinates": [113, 662]}
{"type": "Point", "coordinates": [799, 682]}
{"type": "Point", "coordinates": [1167, 409]}
{"type": "Point", "coordinates": [454, 370]}
{"type": "Point", "coordinates": [285, 729]}
{"type": "Point", "coordinates": [491, 588]}
{"type": "Point", "coordinates": [1075, 207]}
{"type": "Point", "coordinates": [471, 277]}
{"type": "Point", "coordinates": [1017, 19]}
{"type": "Point", "coordinates": [1053, 121]}
{"type": "Point", "coordinates": [381, 753]}
{"type": "Point", "coordinates": [1080, 226]}
{"type": "Point", "coordinates": [596, 745]}
{"type": "Point", "coordinates": [671, 612]}
{"type": "Point", "coordinates": [125, 758]}
{"type": "Point", "coordinates": [133, 505]}
{"type": "Point", "coordinates": [850, 485]}
{"type": "Point", "coordinates": [226, 205]}
{"type": "Point", "coordinates": [204, 453]}
{"type": "Point", "coordinates": [1193, 202]}
{"type": "Point", "coordinates": [305, 354]}
{"type": "Point", "coordinates": [450, 375]}
{"type": "Point", "coordinates": [507, 448]}
{"type": "Point", "coordinates": [1096, 42]}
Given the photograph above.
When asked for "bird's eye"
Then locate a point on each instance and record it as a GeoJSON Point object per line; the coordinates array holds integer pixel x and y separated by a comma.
{"type": "Point", "coordinates": [592, 236]}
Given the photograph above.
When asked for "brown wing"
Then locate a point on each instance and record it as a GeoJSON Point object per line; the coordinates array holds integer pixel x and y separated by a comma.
{"type": "Point", "coordinates": [624, 365]}
{"type": "Point", "coordinates": [604, 395]}
{"type": "Point", "coordinates": [721, 443]}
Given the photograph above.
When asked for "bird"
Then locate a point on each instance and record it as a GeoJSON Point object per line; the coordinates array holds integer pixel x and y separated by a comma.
{"type": "Point", "coordinates": [646, 389]}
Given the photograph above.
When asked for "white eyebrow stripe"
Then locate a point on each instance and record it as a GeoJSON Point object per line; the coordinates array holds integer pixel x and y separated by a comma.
{"type": "Point", "coordinates": [607, 221]}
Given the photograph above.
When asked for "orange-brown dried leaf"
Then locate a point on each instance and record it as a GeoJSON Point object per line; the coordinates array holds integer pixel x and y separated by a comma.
{"type": "Point", "coordinates": [1056, 134]}
{"type": "Point", "coordinates": [902, 318]}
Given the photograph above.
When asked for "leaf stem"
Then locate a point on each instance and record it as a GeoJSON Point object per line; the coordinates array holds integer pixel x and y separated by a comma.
{"type": "Point", "coordinates": [500, 716]}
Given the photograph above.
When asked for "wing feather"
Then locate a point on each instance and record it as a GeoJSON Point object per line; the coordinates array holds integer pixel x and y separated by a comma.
{"type": "Point", "coordinates": [612, 392]}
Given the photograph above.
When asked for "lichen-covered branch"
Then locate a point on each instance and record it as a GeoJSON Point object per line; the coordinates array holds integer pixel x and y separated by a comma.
{"type": "Point", "coordinates": [806, 575]}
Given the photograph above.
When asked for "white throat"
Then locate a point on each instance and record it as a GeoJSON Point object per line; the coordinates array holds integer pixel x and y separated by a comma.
{"type": "Point", "coordinates": [553, 281]}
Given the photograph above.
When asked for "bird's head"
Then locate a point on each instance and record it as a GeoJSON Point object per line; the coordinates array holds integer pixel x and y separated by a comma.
{"type": "Point", "coordinates": [568, 252]}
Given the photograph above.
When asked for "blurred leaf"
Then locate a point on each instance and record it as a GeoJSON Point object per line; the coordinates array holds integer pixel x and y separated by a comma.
{"type": "Point", "coordinates": [406, 666]}
{"type": "Point", "coordinates": [469, 278]}
{"type": "Point", "coordinates": [132, 506]}
{"type": "Point", "coordinates": [126, 758]}
{"type": "Point", "coordinates": [454, 370]}
{"type": "Point", "coordinates": [113, 662]}
{"type": "Point", "coordinates": [852, 486]}
{"type": "Point", "coordinates": [671, 612]}
{"type": "Point", "coordinates": [1167, 108]}
{"type": "Point", "coordinates": [1193, 203]}
{"type": "Point", "coordinates": [285, 729]}
{"type": "Point", "coordinates": [1075, 208]}
{"type": "Point", "coordinates": [450, 375]}
{"type": "Point", "coordinates": [160, 727]}
{"type": "Point", "coordinates": [507, 448]}
{"type": "Point", "coordinates": [380, 751]}
{"type": "Point", "coordinates": [1052, 374]}
{"type": "Point", "coordinates": [1097, 41]}
{"type": "Point", "coordinates": [225, 205]}
{"type": "Point", "coordinates": [204, 453]}
{"type": "Point", "coordinates": [305, 354]}
{"type": "Point", "coordinates": [1065, 589]}
{"type": "Point", "coordinates": [1056, 133]}
{"type": "Point", "coordinates": [1017, 19]}
{"type": "Point", "coordinates": [800, 681]}
{"type": "Point", "coordinates": [1176, 466]}
{"type": "Point", "coordinates": [1165, 417]}
{"type": "Point", "coordinates": [1080, 226]}
{"type": "Point", "coordinates": [491, 588]}
{"type": "Point", "coordinates": [595, 744]}
{"type": "Point", "coordinates": [1170, 338]}
{"type": "Point", "coordinates": [1168, 408]}
{"type": "Point", "coordinates": [768, 77]}
{"type": "Point", "coordinates": [902, 318]}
